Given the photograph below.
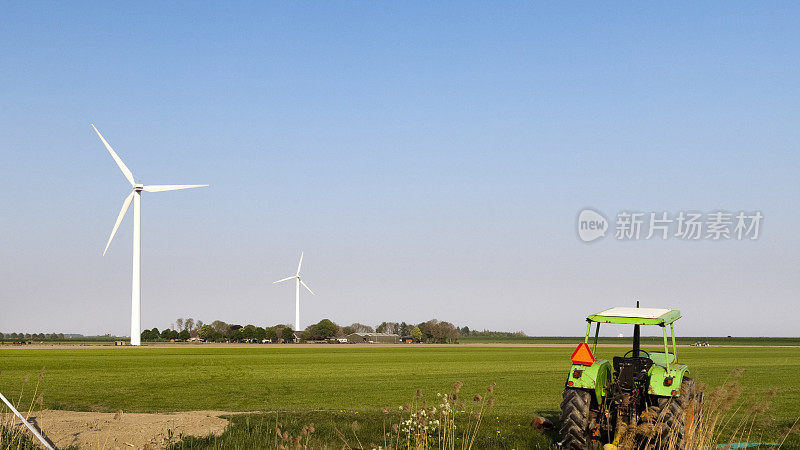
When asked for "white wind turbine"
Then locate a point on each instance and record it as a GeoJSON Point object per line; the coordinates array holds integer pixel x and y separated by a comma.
{"type": "Point", "coordinates": [298, 282]}
{"type": "Point", "coordinates": [136, 197]}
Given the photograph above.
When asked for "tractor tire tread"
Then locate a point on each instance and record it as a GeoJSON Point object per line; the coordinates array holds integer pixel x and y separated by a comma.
{"type": "Point", "coordinates": [574, 429]}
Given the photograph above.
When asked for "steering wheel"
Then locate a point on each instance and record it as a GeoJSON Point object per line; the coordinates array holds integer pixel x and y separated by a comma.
{"type": "Point", "coordinates": [640, 351]}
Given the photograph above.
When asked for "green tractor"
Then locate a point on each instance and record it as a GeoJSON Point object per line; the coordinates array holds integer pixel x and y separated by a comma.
{"type": "Point", "coordinates": [638, 400]}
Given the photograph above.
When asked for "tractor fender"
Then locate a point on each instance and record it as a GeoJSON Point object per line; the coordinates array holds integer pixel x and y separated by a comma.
{"type": "Point", "coordinates": [658, 376]}
{"type": "Point", "coordinates": [596, 377]}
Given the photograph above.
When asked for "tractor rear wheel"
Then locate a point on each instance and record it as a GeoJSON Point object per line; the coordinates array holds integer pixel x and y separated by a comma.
{"type": "Point", "coordinates": [678, 417]}
{"type": "Point", "coordinates": [574, 430]}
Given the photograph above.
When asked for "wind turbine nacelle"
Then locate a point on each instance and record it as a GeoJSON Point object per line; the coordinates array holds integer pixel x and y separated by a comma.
{"type": "Point", "coordinates": [138, 187]}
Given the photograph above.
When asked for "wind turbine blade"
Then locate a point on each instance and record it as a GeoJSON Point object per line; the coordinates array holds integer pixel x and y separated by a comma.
{"type": "Point", "coordinates": [171, 187]}
{"type": "Point", "coordinates": [300, 263]}
{"type": "Point", "coordinates": [122, 166]}
{"type": "Point", "coordinates": [285, 279]}
{"type": "Point", "coordinates": [122, 212]}
{"type": "Point", "coordinates": [306, 286]}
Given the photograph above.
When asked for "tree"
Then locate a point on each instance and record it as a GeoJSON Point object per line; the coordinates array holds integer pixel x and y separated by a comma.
{"type": "Point", "coordinates": [220, 327]}
{"type": "Point", "coordinates": [404, 329]}
{"type": "Point", "coordinates": [416, 334]}
{"type": "Point", "coordinates": [260, 334]}
{"type": "Point", "coordinates": [448, 333]}
{"type": "Point", "coordinates": [154, 334]}
{"type": "Point", "coordinates": [388, 327]}
{"type": "Point", "coordinates": [361, 328]}
{"type": "Point", "coordinates": [236, 335]}
{"type": "Point", "coordinates": [184, 335]}
{"type": "Point", "coordinates": [326, 329]}
{"type": "Point", "coordinates": [427, 330]}
{"type": "Point", "coordinates": [189, 324]}
{"type": "Point", "coordinates": [166, 334]}
{"type": "Point", "coordinates": [323, 330]}
{"type": "Point", "coordinates": [208, 333]}
{"type": "Point", "coordinates": [348, 330]}
{"type": "Point", "coordinates": [438, 332]}
{"type": "Point", "coordinates": [249, 332]}
{"type": "Point", "coordinates": [233, 333]}
{"type": "Point", "coordinates": [271, 333]}
{"type": "Point", "coordinates": [179, 324]}
{"type": "Point", "coordinates": [199, 324]}
{"type": "Point", "coordinates": [287, 334]}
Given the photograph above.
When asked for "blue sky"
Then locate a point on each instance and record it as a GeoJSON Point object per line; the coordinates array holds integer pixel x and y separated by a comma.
{"type": "Point", "coordinates": [429, 158]}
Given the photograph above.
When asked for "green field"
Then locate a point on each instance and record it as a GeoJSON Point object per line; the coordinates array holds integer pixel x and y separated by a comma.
{"type": "Point", "coordinates": [356, 381]}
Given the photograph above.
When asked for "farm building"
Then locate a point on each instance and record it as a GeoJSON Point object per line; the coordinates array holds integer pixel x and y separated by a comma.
{"type": "Point", "coordinates": [373, 338]}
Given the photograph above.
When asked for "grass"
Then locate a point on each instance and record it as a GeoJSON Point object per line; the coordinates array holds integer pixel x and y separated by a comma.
{"type": "Point", "coordinates": [508, 431]}
{"type": "Point", "coordinates": [315, 384]}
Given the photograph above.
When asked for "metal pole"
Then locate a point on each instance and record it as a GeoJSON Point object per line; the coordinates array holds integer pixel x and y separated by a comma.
{"type": "Point", "coordinates": [674, 347]}
{"type": "Point", "coordinates": [596, 334]}
{"type": "Point", "coordinates": [636, 338]}
{"type": "Point", "coordinates": [297, 306]}
{"type": "Point", "coordinates": [136, 288]}
{"type": "Point", "coordinates": [666, 348]}
{"type": "Point", "coordinates": [27, 424]}
{"type": "Point", "coordinates": [588, 330]}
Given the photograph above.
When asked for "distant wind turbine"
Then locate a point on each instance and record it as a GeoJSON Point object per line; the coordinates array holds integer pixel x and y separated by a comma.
{"type": "Point", "coordinates": [298, 282]}
{"type": "Point", "coordinates": [136, 197]}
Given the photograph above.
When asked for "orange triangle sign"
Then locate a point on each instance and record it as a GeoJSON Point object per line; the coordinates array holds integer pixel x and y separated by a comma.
{"type": "Point", "coordinates": [582, 355]}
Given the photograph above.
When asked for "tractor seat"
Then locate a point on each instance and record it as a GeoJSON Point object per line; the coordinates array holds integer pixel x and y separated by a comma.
{"type": "Point", "coordinates": [630, 370]}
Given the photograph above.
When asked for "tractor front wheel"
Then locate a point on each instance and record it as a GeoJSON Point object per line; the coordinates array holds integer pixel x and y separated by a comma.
{"type": "Point", "coordinates": [574, 430]}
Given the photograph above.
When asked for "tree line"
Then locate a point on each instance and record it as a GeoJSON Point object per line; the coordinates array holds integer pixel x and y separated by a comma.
{"type": "Point", "coordinates": [431, 331]}
{"type": "Point", "coordinates": [218, 331]}
{"type": "Point", "coordinates": [33, 336]}
{"type": "Point", "coordinates": [185, 329]}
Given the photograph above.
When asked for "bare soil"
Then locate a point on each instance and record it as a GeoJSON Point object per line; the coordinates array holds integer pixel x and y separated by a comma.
{"type": "Point", "coordinates": [94, 430]}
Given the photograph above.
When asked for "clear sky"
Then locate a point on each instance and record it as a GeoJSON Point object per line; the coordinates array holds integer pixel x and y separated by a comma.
{"type": "Point", "coordinates": [429, 157]}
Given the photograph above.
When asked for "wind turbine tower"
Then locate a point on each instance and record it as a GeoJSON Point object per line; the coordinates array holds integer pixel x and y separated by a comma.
{"type": "Point", "coordinates": [298, 282]}
{"type": "Point", "coordinates": [136, 197]}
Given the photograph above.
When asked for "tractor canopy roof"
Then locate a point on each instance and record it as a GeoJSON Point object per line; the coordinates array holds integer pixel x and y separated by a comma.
{"type": "Point", "coordinates": [636, 316]}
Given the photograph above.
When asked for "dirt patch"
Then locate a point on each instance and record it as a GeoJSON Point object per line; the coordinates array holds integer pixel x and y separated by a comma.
{"type": "Point", "coordinates": [92, 430]}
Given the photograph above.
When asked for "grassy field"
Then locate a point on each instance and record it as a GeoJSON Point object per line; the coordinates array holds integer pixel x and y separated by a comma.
{"type": "Point", "coordinates": [345, 383]}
